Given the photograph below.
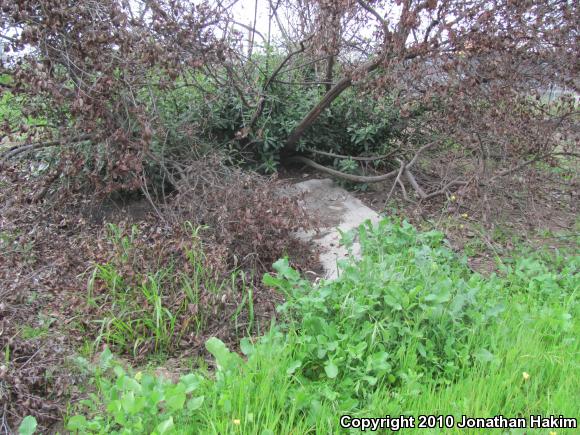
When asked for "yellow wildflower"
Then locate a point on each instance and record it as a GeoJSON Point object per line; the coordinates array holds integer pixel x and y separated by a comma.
{"type": "Point", "coordinates": [461, 226]}
{"type": "Point", "coordinates": [464, 215]}
{"type": "Point", "coordinates": [553, 433]}
{"type": "Point", "coordinates": [525, 375]}
{"type": "Point", "coordinates": [236, 421]}
{"type": "Point", "coordinates": [453, 198]}
{"type": "Point", "coordinates": [138, 376]}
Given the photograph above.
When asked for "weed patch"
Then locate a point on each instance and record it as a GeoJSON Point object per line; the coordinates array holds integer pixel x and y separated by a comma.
{"type": "Point", "coordinates": [153, 307]}
{"type": "Point", "coordinates": [407, 330]}
{"type": "Point", "coordinates": [405, 312]}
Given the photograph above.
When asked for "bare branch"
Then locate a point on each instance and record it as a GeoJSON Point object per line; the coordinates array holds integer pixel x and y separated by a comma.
{"type": "Point", "coordinates": [357, 158]}
{"type": "Point", "coordinates": [344, 176]}
{"type": "Point", "coordinates": [373, 11]}
{"type": "Point", "coordinates": [23, 148]}
{"type": "Point", "coordinates": [397, 180]}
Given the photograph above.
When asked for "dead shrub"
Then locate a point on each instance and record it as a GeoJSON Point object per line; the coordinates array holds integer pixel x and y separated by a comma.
{"type": "Point", "coordinates": [244, 212]}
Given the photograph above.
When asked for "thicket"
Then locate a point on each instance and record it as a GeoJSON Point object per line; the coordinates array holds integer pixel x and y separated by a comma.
{"type": "Point", "coordinates": [198, 119]}
{"type": "Point", "coordinates": [131, 91]}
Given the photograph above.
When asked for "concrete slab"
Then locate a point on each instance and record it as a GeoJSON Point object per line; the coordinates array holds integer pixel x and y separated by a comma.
{"type": "Point", "coordinates": [336, 209]}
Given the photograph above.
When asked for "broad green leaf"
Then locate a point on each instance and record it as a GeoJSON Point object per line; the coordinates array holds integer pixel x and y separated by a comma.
{"type": "Point", "coordinates": [219, 350]}
{"type": "Point", "coordinates": [195, 403]}
{"type": "Point", "coordinates": [190, 382]}
{"type": "Point", "coordinates": [128, 402]}
{"type": "Point", "coordinates": [131, 384]}
{"type": "Point", "coordinates": [175, 400]}
{"type": "Point", "coordinates": [346, 238]}
{"type": "Point", "coordinates": [76, 422]}
{"type": "Point", "coordinates": [105, 359]}
{"type": "Point", "coordinates": [331, 369]}
{"type": "Point", "coordinates": [371, 380]}
{"type": "Point", "coordinates": [293, 367]}
{"type": "Point", "coordinates": [166, 426]}
{"type": "Point", "coordinates": [119, 372]}
{"type": "Point", "coordinates": [27, 426]}
{"type": "Point", "coordinates": [246, 346]}
{"type": "Point", "coordinates": [484, 355]}
{"type": "Point", "coordinates": [282, 266]}
{"type": "Point", "coordinates": [272, 281]}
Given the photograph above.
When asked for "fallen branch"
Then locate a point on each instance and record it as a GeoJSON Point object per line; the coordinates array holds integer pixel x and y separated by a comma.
{"type": "Point", "coordinates": [445, 188]}
{"type": "Point", "coordinates": [359, 159]}
{"type": "Point", "coordinates": [404, 169]}
{"type": "Point", "coordinates": [420, 150]}
{"type": "Point", "coordinates": [23, 148]}
{"type": "Point", "coordinates": [326, 101]}
{"type": "Point", "coordinates": [359, 178]}
{"type": "Point", "coordinates": [403, 189]}
{"type": "Point", "coordinates": [397, 180]}
{"type": "Point", "coordinates": [424, 196]}
{"type": "Point", "coordinates": [339, 174]}
{"type": "Point", "coordinates": [413, 182]}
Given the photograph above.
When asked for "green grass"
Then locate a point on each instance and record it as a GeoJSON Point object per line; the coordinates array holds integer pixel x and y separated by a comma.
{"type": "Point", "coordinates": [140, 305]}
{"type": "Point", "coordinates": [29, 332]}
{"type": "Point", "coordinates": [408, 330]}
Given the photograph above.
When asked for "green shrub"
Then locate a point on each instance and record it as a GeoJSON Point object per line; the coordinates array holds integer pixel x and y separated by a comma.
{"type": "Point", "coordinates": [138, 403]}
{"type": "Point", "coordinates": [201, 116]}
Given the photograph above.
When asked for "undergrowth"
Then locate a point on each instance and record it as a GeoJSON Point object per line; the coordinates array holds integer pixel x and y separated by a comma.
{"type": "Point", "coordinates": [407, 330]}
{"type": "Point", "coordinates": [152, 308]}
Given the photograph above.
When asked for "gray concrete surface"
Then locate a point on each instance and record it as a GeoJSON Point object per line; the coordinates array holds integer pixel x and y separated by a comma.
{"type": "Point", "coordinates": [335, 208]}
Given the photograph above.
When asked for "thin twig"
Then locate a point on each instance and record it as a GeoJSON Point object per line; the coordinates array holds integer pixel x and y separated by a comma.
{"type": "Point", "coordinates": [402, 168]}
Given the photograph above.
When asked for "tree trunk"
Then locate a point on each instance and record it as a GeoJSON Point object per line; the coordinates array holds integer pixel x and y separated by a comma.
{"type": "Point", "coordinates": [326, 101]}
{"type": "Point", "coordinates": [328, 75]}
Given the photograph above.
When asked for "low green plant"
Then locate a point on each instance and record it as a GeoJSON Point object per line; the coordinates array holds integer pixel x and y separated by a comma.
{"type": "Point", "coordinates": [406, 311]}
{"type": "Point", "coordinates": [137, 315]}
{"type": "Point", "coordinates": [122, 242]}
{"type": "Point", "coordinates": [29, 332]}
{"type": "Point", "coordinates": [27, 426]}
{"type": "Point", "coordinates": [150, 307]}
{"type": "Point", "coordinates": [408, 329]}
{"type": "Point", "coordinates": [135, 403]}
